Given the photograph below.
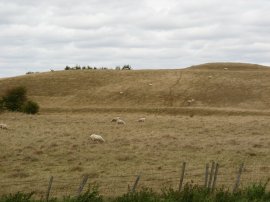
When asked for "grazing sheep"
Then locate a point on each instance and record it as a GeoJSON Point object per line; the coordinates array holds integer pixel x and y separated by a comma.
{"type": "Point", "coordinates": [210, 77]}
{"type": "Point", "coordinates": [225, 68]}
{"type": "Point", "coordinates": [97, 138]}
{"type": "Point", "coordinates": [119, 121]}
{"type": "Point", "coordinates": [190, 101]}
{"type": "Point", "coordinates": [115, 119]}
{"type": "Point", "coordinates": [141, 120]}
{"type": "Point", "coordinates": [3, 126]}
{"type": "Point", "coordinates": [121, 92]}
{"type": "Point", "coordinates": [150, 84]}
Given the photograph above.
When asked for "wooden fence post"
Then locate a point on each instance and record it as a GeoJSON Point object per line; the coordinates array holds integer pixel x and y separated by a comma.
{"type": "Point", "coordinates": [84, 180]}
{"type": "Point", "coordinates": [206, 175]}
{"type": "Point", "coordinates": [215, 177]}
{"type": "Point", "coordinates": [49, 189]}
{"type": "Point", "coordinates": [135, 184]}
{"type": "Point", "coordinates": [238, 177]}
{"type": "Point", "coordinates": [182, 176]}
{"type": "Point", "coordinates": [211, 175]}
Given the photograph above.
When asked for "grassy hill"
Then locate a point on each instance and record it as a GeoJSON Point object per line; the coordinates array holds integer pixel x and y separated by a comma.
{"type": "Point", "coordinates": [58, 144]}
{"type": "Point", "coordinates": [240, 86]}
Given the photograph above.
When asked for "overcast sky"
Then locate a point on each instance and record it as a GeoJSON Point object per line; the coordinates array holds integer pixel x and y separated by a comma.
{"type": "Point", "coordinates": [39, 35]}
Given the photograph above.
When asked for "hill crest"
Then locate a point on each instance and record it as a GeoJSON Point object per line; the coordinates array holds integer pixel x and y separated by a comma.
{"type": "Point", "coordinates": [229, 65]}
{"type": "Point", "coordinates": [202, 86]}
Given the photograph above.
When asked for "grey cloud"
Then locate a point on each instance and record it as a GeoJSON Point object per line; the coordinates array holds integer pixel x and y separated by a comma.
{"type": "Point", "coordinates": [38, 35]}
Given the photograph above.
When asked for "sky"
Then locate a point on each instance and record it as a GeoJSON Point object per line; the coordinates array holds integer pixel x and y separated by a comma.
{"type": "Point", "coordinates": [40, 35]}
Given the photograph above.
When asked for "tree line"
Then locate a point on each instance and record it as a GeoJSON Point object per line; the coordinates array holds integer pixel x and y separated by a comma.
{"type": "Point", "coordinates": [78, 67]}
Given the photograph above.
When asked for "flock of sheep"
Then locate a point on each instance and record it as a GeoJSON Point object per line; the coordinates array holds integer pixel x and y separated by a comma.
{"type": "Point", "coordinates": [118, 120]}
{"type": "Point", "coordinates": [94, 137]}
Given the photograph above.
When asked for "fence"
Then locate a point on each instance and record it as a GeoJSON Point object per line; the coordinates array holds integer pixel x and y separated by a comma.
{"type": "Point", "coordinates": [211, 175]}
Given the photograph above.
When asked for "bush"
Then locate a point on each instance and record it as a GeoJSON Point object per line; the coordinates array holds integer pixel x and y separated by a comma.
{"type": "Point", "coordinates": [92, 194]}
{"type": "Point", "coordinates": [30, 107]}
{"type": "Point", "coordinates": [126, 67]}
{"type": "Point", "coordinates": [256, 192]}
{"type": "Point", "coordinates": [14, 99]}
{"type": "Point", "coordinates": [18, 197]}
{"type": "Point", "coordinates": [1, 105]}
{"type": "Point", "coordinates": [144, 195]}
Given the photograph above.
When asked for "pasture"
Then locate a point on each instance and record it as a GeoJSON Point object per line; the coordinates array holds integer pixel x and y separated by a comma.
{"type": "Point", "coordinates": [211, 112]}
{"type": "Point", "coordinates": [59, 144]}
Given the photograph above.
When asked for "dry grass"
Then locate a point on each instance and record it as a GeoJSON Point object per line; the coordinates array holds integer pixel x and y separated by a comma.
{"type": "Point", "coordinates": [59, 145]}
{"type": "Point", "coordinates": [242, 86]}
{"type": "Point", "coordinates": [229, 122]}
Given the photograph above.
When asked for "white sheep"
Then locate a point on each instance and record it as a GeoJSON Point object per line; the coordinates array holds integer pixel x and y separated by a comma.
{"type": "Point", "coordinates": [210, 77]}
{"type": "Point", "coordinates": [225, 68]}
{"type": "Point", "coordinates": [150, 84]}
{"type": "Point", "coordinates": [120, 122]}
{"type": "Point", "coordinates": [3, 126]}
{"type": "Point", "coordinates": [115, 119]}
{"type": "Point", "coordinates": [141, 119]}
{"type": "Point", "coordinates": [121, 92]}
{"type": "Point", "coordinates": [190, 101]}
{"type": "Point", "coordinates": [97, 138]}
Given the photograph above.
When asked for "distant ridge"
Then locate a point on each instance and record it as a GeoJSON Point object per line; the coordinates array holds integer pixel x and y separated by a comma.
{"type": "Point", "coordinates": [239, 86]}
{"type": "Point", "coordinates": [231, 65]}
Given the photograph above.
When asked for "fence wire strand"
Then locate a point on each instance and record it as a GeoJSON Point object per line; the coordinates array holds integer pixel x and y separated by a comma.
{"type": "Point", "coordinates": [152, 178]}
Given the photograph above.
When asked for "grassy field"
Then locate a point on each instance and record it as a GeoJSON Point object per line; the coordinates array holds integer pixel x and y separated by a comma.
{"type": "Point", "coordinates": [228, 122]}
{"type": "Point", "coordinates": [59, 145]}
{"type": "Point", "coordinates": [242, 86]}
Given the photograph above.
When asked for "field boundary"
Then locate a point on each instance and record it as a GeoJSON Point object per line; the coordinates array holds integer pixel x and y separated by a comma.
{"type": "Point", "coordinates": [210, 176]}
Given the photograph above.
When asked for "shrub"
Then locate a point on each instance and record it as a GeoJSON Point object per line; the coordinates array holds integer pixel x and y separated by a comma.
{"type": "Point", "coordinates": [14, 99]}
{"type": "Point", "coordinates": [30, 107]}
{"type": "Point", "coordinates": [67, 67]}
{"type": "Point", "coordinates": [126, 67]}
{"type": "Point", "coordinates": [1, 105]}
{"type": "Point", "coordinates": [144, 195]}
{"type": "Point", "coordinates": [18, 197]}
{"type": "Point", "coordinates": [256, 192]}
{"type": "Point", "coordinates": [92, 194]}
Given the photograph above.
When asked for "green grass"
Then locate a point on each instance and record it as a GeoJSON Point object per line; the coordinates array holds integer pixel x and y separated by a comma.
{"type": "Point", "coordinates": [190, 193]}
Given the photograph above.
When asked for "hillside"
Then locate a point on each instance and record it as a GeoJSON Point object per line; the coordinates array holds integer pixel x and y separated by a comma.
{"type": "Point", "coordinates": [241, 86]}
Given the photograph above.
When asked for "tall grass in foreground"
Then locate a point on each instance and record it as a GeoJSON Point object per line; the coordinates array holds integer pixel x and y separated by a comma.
{"type": "Point", "coordinates": [190, 193]}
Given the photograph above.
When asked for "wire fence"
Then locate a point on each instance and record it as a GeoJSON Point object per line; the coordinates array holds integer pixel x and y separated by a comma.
{"type": "Point", "coordinates": [121, 183]}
